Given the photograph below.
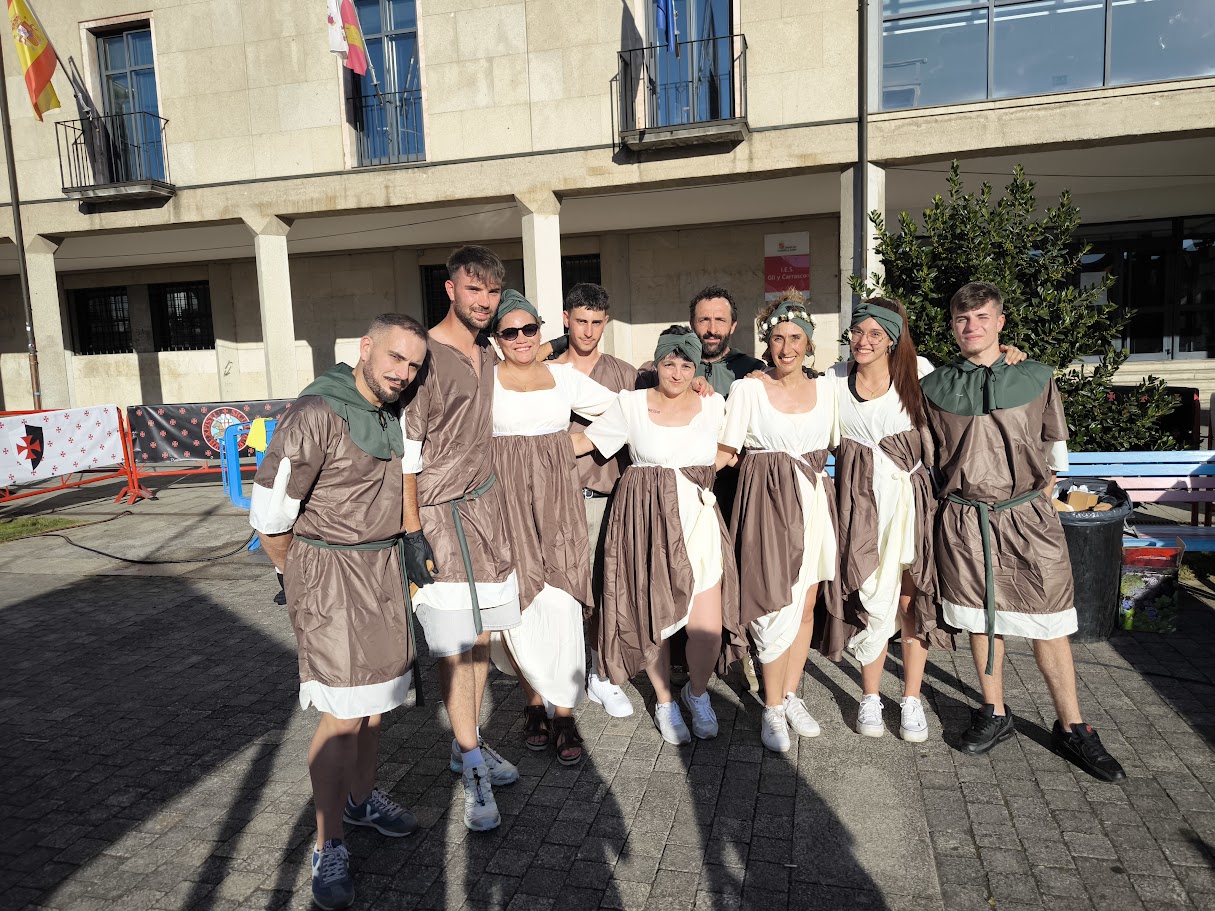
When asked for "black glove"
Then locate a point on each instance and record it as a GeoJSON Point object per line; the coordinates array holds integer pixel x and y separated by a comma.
{"type": "Point", "coordinates": [417, 553]}
{"type": "Point", "coordinates": [281, 597]}
{"type": "Point", "coordinates": [561, 344]}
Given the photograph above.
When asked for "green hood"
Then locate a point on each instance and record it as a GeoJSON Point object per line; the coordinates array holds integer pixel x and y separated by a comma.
{"type": "Point", "coordinates": [376, 431]}
{"type": "Point", "coordinates": [967, 388]}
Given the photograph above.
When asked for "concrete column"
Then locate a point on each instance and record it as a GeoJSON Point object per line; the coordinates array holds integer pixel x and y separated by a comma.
{"type": "Point", "coordinates": [618, 281]}
{"type": "Point", "coordinates": [274, 298]}
{"type": "Point", "coordinates": [54, 362]}
{"type": "Point", "coordinates": [542, 257]}
{"type": "Point", "coordinates": [875, 199]}
{"type": "Point", "coordinates": [223, 319]}
{"type": "Point", "coordinates": [407, 284]}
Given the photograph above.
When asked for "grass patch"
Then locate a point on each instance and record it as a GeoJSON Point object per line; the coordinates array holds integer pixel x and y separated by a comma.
{"type": "Point", "coordinates": [1199, 568]}
{"type": "Point", "coordinates": [24, 526]}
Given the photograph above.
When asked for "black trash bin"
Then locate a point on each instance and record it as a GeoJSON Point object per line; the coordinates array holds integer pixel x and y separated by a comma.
{"type": "Point", "coordinates": [1094, 543]}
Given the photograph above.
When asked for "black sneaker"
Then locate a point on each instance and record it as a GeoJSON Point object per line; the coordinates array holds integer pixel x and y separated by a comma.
{"type": "Point", "coordinates": [986, 730]}
{"type": "Point", "coordinates": [1082, 747]}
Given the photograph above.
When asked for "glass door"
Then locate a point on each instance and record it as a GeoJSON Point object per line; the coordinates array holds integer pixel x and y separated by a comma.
{"type": "Point", "coordinates": [132, 110]}
{"type": "Point", "coordinates": [694, 82]}
{"type": "Point", "coordinates": [389, 114]}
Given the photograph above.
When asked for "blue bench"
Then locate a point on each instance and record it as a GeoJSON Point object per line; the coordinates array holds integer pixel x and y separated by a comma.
{"type": "Point", "coordinates": [1186, 477]}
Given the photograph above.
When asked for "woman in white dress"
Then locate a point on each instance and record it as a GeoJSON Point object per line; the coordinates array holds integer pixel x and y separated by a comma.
{"type": "Point", "coordinates": [668, 563]}
{"type": "Point", "coordinates": [783, 525]}
{"type": "Point", "coordinates": [533, 458]}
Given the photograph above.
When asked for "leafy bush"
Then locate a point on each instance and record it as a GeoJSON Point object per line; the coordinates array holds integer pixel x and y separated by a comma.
{"type": "Point", "coordinates": [1034, 261]}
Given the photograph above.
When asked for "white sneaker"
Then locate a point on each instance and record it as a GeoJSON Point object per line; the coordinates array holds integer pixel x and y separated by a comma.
{"type": "Point", "coordinates": [774, 729]}
{"type": "Point", "coordinates": [670, 723]}
{"type": "Point", "coordinates": [608, 695]}
{"type": "Point", "coordinates": [869, 718]}
{"type": "Point", "coordinates": [480, 808]}
{"type": "Point", "coordinates": [704, 719]}
{"type": "Point", "coordinates": [501, 772]}
{"type": "Point", "coordinates": [914, 726]}
{"type": "Point", "coordinates": [799, 717]}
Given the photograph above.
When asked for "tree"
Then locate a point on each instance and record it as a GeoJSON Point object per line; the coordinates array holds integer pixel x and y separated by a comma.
{"type": "Point", "coordinates": [1035, 263]}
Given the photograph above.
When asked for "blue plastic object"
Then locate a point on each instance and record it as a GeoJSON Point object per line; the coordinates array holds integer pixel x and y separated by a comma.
{"type": "Point", "coordinates": [229, 464]}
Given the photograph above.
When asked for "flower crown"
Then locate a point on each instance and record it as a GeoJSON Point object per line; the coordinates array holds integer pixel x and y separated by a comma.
{"type": "Point", "coordinates": [787, 317]}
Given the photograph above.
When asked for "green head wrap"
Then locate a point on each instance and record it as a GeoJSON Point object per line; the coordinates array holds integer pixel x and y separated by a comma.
{"type": "Point", "coordinates": [789, 312]}
{"type": "Point", "coordinates": [687, 345]}
{"type": "Point", "coordinates": [890, 321]}
{"type": "Point", "coordinates": [511, 301]}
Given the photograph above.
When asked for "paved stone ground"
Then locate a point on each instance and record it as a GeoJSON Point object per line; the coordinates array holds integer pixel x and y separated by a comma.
{"type": "Point", "coordinates": [153, 757]}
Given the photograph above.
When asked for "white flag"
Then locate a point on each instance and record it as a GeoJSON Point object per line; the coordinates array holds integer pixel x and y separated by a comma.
{"type": "Point", "coordinates": [337, 34]}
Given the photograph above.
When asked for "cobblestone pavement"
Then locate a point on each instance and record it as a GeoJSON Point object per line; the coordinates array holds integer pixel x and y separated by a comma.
{"type": "Point", "coordinates": [153, 757]}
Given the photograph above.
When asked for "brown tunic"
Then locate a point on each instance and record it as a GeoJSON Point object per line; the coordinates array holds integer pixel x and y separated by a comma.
{"type": "Point", "coordinates": [991, 458]}
{"type": "Point", "coordinates": [858, 524]}
{"type": "Point", "coordinates": [451, 415]}
{"type": "Point", "coordinates": [648, 580]}
{"type": "Point", "coordinates": [768, 526]}
{"type": "Point", "coordinates": [594, 471]}
{"type": "Point", "coordinates": [347, 607]}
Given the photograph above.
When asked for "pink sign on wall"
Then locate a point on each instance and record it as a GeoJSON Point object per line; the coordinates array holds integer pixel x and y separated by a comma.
{"type": "Point", "coordinates": [786, 263]}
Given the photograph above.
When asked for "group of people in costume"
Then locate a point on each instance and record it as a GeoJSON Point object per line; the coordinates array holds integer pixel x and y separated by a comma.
{"type": "Point", "coordinates": [544, 497]}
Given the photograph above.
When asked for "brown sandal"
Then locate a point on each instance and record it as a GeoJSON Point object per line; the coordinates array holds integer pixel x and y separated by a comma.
{"type": "Point", "coordinates": [569, 741]}
{"type": "Point", "coordinates": [535, 727]}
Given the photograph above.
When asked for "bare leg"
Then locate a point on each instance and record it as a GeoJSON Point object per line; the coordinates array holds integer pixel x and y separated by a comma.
{"type": "Point", "coordinates": [533, 698]}
{"type": "Point", "coordinates": [480, 652]}
{"type": "Point", "coordinates": [993, 686]}
{"type": "Point", "coordinates": [704, 638]}
{"type": "Point", "coordinates": [775, 673]}
{"type": "Point", "coordinates": [1054, 658]}
{"type": "Point", "coordinates": [915, 654]}
{"type": "Point", "coordinates": [871, 673]}
{"type": "Point", "coordinates": [458, 685]}
{"type": "Point", "coordinates": [331, 763]}
{"type": "Point", "coordinates": [368, 759]}
{"type": "Point", "coordinates": [799, 651]}
{"type": "Point", "coordinates": [659, 673]}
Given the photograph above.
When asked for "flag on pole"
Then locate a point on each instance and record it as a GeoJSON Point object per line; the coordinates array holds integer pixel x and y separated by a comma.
{"type": "Point", "coordinates": [664, 24]}
{"type": "Point", "coordinates": [37, 57]}
{"type": "Point", "coordinates": [345, 36]}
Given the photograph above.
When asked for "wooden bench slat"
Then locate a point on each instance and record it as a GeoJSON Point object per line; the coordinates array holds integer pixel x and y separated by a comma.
{"type": "Point", "coordinates": [1144, 457]}
{"type": "Point", "coordinates": [1139, 471]}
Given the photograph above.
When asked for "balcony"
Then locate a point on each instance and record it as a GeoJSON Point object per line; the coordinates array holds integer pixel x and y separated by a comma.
{"type": "Point", "coordinates": [388, 128]}
{"type": "Point", "coordinates": [114, 157]}
{"type": "Point", "coordinates": [695, 96]}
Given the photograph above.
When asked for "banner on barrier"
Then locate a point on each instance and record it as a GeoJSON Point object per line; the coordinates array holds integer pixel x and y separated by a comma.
{"type": "Point", "coordinates": [168, 433]}
{"type": "Point", "coordinates": [47, 444]}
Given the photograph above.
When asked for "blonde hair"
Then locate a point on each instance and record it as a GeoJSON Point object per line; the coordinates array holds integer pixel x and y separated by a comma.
{"type": "Point", "coordinates": [789, 295]}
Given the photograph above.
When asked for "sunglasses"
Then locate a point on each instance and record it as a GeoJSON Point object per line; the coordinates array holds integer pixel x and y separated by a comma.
{"type": "Point", "coordinates": [509, 335]}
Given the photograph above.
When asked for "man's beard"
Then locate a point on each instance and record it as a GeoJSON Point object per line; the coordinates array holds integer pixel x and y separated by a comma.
{"type": "Point", "coordinates": [470, 322]}
{"type": "Point", "coordinates": [385, 395]}
{"type": "Point", "coordinates": [713, 348]}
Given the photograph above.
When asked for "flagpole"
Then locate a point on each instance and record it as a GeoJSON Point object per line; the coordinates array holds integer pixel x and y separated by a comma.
{"type": "Point", "coordinates": [15, 198]}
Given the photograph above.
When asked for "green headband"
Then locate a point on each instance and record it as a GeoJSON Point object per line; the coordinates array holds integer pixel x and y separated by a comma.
{"type": "Point", "coordinates": [511, 301]}
{"type": "Point", "coordinates": [687, 345]}
{"type": "Point", "coordinates": [789, 312]}
{"type": "Point", "coordinates": [890, 321]}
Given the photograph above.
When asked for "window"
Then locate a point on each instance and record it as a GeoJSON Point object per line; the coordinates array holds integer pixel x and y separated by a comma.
{"type": "Point", "coordinates": [1164, 275]}
{"type": "Point", "coordinates": [695, 82]}
{"type": "Point", "coordinates": [388, 100]}
{"type": "Point", "coordinates": [102, 320]}
{"type": "Point", "coordinates": [950, 51]}
{"type": "Point", "coordinates": [181, 316]}
{"type": "Point", "coordinates": [574, 269]}
{"type": "Point", "coordinates": [133, 128]}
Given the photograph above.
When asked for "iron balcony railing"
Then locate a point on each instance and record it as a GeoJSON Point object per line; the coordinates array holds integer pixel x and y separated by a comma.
{"type": "Point", "coordinates": [703, 81]}
{"type": "Point", "coordinates": [388, 128]}
{"type": "Point", "coordinates": [106, 149]}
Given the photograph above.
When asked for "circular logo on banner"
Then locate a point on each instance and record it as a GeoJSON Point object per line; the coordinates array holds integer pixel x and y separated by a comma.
{"type": "Point", "coordinates": [217, 422]}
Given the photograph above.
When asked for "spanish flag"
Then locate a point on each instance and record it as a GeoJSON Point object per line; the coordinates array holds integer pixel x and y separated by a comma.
{"type": "Point", "coordinates": [346, 36]}
{"type": "Point", "coordinates": [37, 57]}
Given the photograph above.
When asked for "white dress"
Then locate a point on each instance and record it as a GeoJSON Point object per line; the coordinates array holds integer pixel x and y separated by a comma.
{"type": "Point", "coordinates": [627, 422]}
{"type": "Point", "coordinates": [548, 643]}
{"type": "Point", "coordinates": [754, 424]}
{"type": "Point", "coordinates": [868, 423]}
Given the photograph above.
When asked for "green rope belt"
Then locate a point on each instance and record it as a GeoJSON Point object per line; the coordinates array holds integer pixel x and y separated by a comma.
{"type": "Point", "coordinates": [985, 511]}
{"type": "Point", "coordinates": [474, 494]}
{"type": "Point", "coordinates": [399, 543]}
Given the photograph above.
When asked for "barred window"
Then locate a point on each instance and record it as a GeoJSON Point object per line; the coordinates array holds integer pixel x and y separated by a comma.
{"type": "Point", "coordinates": [181, 316]}
{"type": "Point", "coordinates": [102, 319]}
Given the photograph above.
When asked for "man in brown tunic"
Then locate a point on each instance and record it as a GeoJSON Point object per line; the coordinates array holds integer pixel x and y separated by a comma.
{"type": "Point", "coordinates": [1000, 436]}
{"type": "Point", "coordinates": [586, 318]}
{"type": "Point", "coordinates": [327, 506]}
{"type": "Point", "coordinates": [455, 519]}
